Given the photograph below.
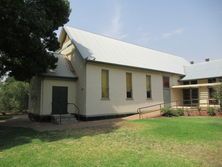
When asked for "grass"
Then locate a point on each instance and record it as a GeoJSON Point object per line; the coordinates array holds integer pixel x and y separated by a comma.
{"type": "Point", "coordinates": [162, 142]}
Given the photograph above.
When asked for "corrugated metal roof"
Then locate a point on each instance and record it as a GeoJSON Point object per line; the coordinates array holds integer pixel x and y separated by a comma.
{"type": "Point", "coordinates": [103, 49]}
{"type": "Point", "coordinates": [63, 69]}
{"type": "Point", "coordinates": [203, 70]}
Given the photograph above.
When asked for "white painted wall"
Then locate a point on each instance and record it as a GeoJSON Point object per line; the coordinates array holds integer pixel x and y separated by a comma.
{"type": "Point", "coordinates": [117, 103]}
{"type": "Point", "coordinates": [46, 100]}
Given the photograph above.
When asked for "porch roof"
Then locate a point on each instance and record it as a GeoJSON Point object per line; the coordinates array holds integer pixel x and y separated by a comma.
{"type": "Point", "coordinates": [195, 85]}
{"type": "Point", "coordinates": [205, 70]}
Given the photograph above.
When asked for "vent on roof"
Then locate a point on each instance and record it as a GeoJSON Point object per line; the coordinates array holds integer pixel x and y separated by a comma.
{"type": "Point", "coordinates": [192, 62]}
{"type": "Point", "coordinates": [207, 59]}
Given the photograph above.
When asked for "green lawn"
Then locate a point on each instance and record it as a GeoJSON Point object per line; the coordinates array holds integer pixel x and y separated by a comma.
{"type": "Point", "coordinates": [162, 142]}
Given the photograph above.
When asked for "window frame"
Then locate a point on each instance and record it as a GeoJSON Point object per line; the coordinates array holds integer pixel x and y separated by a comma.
{"type": "Point", "coordinates": [107, 86]}
{"type": "Point", "coordinates": [150, 87]}
{"type": "Point", "coordinates": [168, 86]}
{"type": "Point", "coordinates": [131, 81]}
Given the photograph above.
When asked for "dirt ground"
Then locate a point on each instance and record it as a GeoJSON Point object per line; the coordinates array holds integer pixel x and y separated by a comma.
{"type": "Point", "coordinates": [23, 121]}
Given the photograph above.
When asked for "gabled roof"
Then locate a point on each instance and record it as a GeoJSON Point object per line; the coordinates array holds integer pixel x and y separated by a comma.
{"type": "Point", "coordinates": [98, 48]}
{"type": "Point", "coordinates": [63, 69]}
{"type": "Point", "coordinates": [204, 70]}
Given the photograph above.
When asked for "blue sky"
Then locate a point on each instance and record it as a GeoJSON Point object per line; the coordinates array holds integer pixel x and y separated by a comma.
{"type": "Point", "coordinates": [188, 28]}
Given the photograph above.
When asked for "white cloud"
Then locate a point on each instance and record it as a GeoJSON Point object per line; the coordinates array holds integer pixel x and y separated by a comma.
{"type": "Point", "coordinates": [173, 33]}
{"type": "Point", "coordinates": [116, 25]}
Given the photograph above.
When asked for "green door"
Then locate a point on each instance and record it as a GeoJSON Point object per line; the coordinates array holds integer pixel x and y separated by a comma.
{"type": "Point", "coordinates": [59, 100]}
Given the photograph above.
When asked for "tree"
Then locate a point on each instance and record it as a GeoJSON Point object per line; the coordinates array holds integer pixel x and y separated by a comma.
{"type": "Point", "coordinates": [13, 95]}
{"type": "Point", "coordinates": [218, 94]}
{"type": "Point", "coordinates": [27, 35]}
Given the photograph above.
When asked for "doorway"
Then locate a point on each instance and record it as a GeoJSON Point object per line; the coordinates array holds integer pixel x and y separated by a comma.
{"type": "Point", "coordinates": [59, 100]}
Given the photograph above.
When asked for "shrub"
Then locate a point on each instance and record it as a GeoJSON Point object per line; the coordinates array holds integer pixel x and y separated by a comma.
{"type": "Point", "coordinates": [13, 96]}
{"type": "Point", "coordinates": [170, 112]}
{"type": "Point", "coordinates": [179, 111]}
{"type": "Point", "coordinates": [211, 111]}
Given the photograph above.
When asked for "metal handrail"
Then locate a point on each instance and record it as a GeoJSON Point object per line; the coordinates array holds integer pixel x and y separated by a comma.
{"type": "Point", "coordinates": [150, 106]}
{"type": "Point", "coordinates": [77, 108]}
{"type": "Point", "coordinates": [198, 106]}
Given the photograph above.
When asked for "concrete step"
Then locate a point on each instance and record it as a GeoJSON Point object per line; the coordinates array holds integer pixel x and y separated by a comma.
{"type": "Point", "coordinates": [64, 119]}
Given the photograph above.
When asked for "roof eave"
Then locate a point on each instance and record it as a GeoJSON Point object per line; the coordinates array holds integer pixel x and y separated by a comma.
{"type": "Point", "coordinates": [127, 66]}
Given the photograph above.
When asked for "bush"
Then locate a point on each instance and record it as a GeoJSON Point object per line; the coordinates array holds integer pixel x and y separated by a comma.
{"type": "Point", "coordinates": [211, 111]}
{"type": "Point", "coordinates": [179, 111]}
{"type": "Point", "coordinates": [169, 112]}
{"type": "Point", "coordinates": [13, 96]}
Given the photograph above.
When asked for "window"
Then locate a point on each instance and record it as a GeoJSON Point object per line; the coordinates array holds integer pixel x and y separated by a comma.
{"type": "Point", "coordinates": [212, 80]}
{"type": "Point", "coordinates": [190, 82]}
{"type": "Point", "coordinates": [148, 86]}
{"type": "Point", "coordinates": [186, 82]}
{"type": "Point", "coordinates": [191, 96]}
{"type": "Point", "coordinates": [211, 96]}
{"type": "Point", "coordinates": [193, 82]}
{"type": "Point", "coordinates": [166, 82]}
{"type": "Point", "coordinates": [129, 89]}
{"type": "Point", "coordinates": [105, 83]}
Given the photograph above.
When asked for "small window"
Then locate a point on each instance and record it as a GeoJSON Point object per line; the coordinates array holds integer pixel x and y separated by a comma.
{"type": "Point", "coordinates": [212, 80]}
{"type": "Point", "coordinates": [166, 82]}
{"type": "Point", "coordinates": [105, 83]}
{"type": "Point", "coordinates": [148, 86]}
{"type": "Point", "coordinates": [129, 89]}
{"type": "Point", "coordinates": [193, 82]}
{"type": "Point", "coordinates": [186, 82]}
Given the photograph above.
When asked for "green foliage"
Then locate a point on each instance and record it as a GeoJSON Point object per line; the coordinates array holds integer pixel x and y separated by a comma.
{"type": "Point", "coordinates": [13, 96]}
{"type": "Point", "coordinates": [218, 94]}
{"type": "Point", "coordinates": [170, 112]}
{"type": "Point", "coordinates": [27, 35]}
{"type": "Point", "coordinates": [211, 111]}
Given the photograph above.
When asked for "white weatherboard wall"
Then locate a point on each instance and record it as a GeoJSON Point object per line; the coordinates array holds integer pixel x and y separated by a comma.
{"type": "Point", "coordinates": [117, 102]}
{"type": "Point", "coordinates": [46, 101]}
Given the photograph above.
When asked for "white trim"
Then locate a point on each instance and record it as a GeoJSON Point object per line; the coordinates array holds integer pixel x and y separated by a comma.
{"type": "Point", "coordinates": [195, 85]}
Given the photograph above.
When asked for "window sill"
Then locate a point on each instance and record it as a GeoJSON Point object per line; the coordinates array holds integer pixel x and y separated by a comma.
{"type": "Point", "coordinates": [105, 99]}
{"type": "Point", "coordinates": [129, 99]}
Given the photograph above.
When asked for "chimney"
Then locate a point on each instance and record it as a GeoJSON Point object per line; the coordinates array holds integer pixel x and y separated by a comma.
{"type": "Point", "coordinates": [191, 62]}
{"type": "Point", "coordinates": [207, 60]}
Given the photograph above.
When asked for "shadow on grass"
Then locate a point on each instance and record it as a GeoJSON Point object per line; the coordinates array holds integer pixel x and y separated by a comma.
{"type": "Point", "coordinates": [15, 136]}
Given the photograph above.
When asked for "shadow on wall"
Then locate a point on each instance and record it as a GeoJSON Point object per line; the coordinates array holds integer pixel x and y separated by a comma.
{"type": "Point", "coordinates": [12, 136]}
{"type": "Point", "coordinates": [83, 51]}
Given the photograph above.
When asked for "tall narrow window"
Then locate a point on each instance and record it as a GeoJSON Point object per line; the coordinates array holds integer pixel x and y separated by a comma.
{"type": "Point", "coordinates": [148, 86]}
{"type": "Point", "coordinates": [129, 89]}
{"type": "Point", "coordinates": [166, 82]}
{"type": "Point", "coordinates": [105, 83]}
